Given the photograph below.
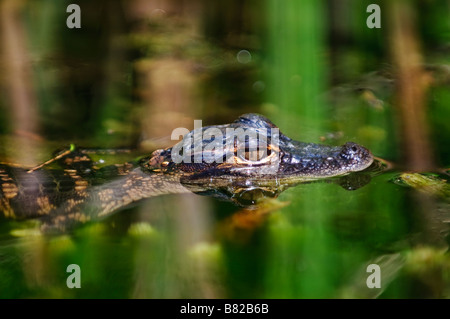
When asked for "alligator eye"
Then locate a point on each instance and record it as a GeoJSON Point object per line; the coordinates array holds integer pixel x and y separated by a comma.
{"type": "Point", "coordinates": [252, 157]}
{"type": "Point", "coordinates": [354, 148]}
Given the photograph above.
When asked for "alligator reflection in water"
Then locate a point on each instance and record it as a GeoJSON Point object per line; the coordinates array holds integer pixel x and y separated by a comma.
{"type": "Point", "coordinates": [63, 198]}
{"type": "Point", "coordinates": [248, 192]}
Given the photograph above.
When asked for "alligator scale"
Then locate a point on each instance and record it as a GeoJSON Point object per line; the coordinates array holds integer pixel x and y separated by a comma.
{"type": "Point", "coordinates": [235, 166]}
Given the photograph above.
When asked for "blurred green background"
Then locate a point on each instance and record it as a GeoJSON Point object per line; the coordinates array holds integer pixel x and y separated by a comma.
{"type": "Point", "coordinates": [138, 69]}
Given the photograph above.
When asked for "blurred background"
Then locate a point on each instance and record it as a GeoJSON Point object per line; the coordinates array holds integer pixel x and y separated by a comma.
{"type": "Point", "coordinates": [138, 69]}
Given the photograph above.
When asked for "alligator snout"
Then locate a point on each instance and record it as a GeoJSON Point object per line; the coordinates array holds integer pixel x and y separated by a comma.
{"type": "Point", "coordinates": [355, 156]}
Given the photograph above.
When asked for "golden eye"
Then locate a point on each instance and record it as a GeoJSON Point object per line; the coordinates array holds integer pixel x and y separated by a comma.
{"type": "Point", "coordinates": [253, 157]}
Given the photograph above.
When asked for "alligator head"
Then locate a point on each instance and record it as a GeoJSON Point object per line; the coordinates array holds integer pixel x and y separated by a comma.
{"type": "Point", "coordinates": [252, 147]}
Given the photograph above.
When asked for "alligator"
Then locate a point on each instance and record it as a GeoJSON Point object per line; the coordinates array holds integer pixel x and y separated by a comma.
{"type": "Point", "coordinates": [259, 160]}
